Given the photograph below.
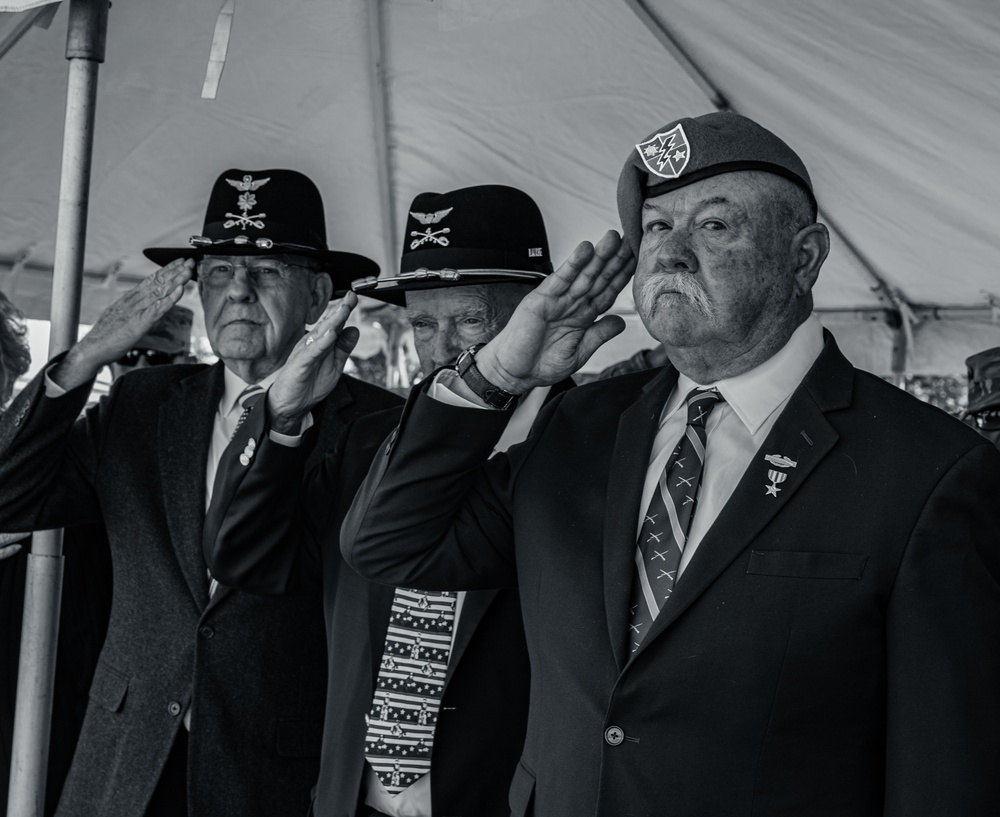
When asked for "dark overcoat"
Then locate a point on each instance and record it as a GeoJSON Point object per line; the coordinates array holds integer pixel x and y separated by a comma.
{"type": "Point", "coordinates": [251, 669]}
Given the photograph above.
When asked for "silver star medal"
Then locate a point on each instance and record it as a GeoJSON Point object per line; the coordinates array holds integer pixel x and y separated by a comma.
{"type": "Point", "coordinates": [777, 477]}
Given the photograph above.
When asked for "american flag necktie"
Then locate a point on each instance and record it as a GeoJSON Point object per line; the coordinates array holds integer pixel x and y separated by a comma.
{"type": "Point", "coordinates": [407, 696]}
{"type": "Point", "coordinates": [668, 519]}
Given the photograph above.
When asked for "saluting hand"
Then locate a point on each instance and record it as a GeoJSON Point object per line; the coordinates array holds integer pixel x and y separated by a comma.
{"type": "Point", "coordinates": [122, 325]}
{"type": "Point", "coordinates": [556, 329]}
{"type": "Point", "coordinates": [314, 367]}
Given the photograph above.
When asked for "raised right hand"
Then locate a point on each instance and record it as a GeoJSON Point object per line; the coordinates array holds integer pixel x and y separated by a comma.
{"type": "Point", "coordinates": [122, 325]}
{"type": "Point", "coordinates": [314, 366]}
{"type": "Point", "coordinates": [558, 325]}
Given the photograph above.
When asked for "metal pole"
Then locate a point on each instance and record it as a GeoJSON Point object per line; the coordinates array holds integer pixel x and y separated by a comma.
{"type": "Point", "coordinates": [85, 40]}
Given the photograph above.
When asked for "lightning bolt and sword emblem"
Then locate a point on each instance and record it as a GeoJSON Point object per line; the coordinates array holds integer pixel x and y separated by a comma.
{"type": "Point", "coordinates": [666, 154]}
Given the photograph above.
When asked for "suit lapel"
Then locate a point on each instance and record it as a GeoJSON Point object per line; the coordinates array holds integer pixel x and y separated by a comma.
{"type": "Point", "coordinates": [380, 598]}
{"type": "Point", "coordinates": [473, 609]}
{"type": "Point", "coordinates": [329, 421]}
{"type": "Point", "coordinates": [801, 433]}
{"type": "Point", "coordinates": [184, 435]}
{"type": "Point", "coordinates": [328, 424]}
{"type": "Point", "coordinates": [636, 430]}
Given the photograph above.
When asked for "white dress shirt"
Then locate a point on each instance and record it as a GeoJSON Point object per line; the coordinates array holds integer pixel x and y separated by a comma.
{"type": "Point", "coordinates": [735, 430]}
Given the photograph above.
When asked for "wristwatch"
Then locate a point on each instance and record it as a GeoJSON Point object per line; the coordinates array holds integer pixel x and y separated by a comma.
{"type": "Point", "coordinates": [493, 396]}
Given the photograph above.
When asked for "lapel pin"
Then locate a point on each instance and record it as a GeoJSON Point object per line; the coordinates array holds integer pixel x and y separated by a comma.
{"type": "Point", "coordinates": [776, 478]}
{"type": "Point", "coordinates": [780, 461]}
{"type": "Point", "coordinates": [244, 460]}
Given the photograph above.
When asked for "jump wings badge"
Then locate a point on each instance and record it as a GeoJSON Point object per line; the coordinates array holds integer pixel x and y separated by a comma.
{"type": "Point", "coordinates": [431, 218]}
{"type": "Point", "coordinates": [777, 477]}
{"type": "Point", "coordinates": [246, 203]}
{"type": "Point", "coordinates": [666, 154]}
{"type": "Point", "coordinates": [429, 235]}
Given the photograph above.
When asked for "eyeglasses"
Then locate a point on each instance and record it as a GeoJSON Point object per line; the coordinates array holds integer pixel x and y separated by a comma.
{"type": "Point", "coordinates": [261, 274]}
{"type": "Point", "coordinates": [153, 356]}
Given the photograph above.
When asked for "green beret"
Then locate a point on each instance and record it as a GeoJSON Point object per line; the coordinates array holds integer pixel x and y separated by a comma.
{"type": "Point", "coordinates": [691, 149]}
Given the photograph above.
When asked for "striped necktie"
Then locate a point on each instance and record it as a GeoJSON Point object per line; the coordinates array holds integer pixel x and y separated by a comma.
{"type": "Point", "coordinates": [668, 519]}
{"type": "Point", "coordinates": [249, 397]}
{"type": "Point", "coordinates": [407, 697]}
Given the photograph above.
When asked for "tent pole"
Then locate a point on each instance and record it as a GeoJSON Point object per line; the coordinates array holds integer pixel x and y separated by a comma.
{"type": "Point", "coordinates": [380, 115]}
{"type": "Point", "coordinates": [85, 40]}
{"type": "Point", "coordinates": [394, 373]}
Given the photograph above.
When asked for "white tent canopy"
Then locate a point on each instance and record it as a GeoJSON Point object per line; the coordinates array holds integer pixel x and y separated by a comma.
{"type": "Point", "coordinates": [894, 107]}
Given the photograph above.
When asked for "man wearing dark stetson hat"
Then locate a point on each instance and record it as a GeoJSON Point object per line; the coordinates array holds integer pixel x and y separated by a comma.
{"type": "Point", "coordinates": [983, 413]}
{"type": "Point", "coordinates": [754, 582]}
{"type": "Point", "coordinates": [205, 701]}
{"type": "Point", "coordinates": [428, 692]}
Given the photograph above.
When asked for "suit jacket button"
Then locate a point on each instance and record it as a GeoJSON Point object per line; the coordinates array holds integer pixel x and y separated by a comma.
{"type": "Point", "coordinates": [206, 632]}
{"type": "Point", "coordinates": [174, 708]}
{"type": "Point", "coordinates": [614, 735]}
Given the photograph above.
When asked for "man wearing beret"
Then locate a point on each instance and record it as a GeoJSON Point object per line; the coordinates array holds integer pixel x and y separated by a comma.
{"type": "Point", "coordinates": [205, 701]}
{"type": "Point", "coordinates": [754, 582]}
{"type": "Point", "coordinates": [428, 691]}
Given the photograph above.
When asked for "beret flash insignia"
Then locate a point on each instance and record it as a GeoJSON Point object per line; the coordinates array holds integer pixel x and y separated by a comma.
{"type": "Point", "coordinates": [666, 154]}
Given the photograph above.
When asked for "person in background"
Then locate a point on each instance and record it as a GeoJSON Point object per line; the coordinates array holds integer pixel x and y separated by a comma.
{"type": "Point", "coordinates": [639, 362]}
{"type": "Point", "coordinates": [428, 692]}
{"type": "Point", "coordinates": [168, 341]}
{"type": "Point", "coordinates": [15, 354]}
{"type": "Point", "coordinates": [205, 701]}
{"type": "Point", "coordinates": [983, 412]}
{"type": "Point", "coordinates": [15, 360]}
{"type": "Point", "coordinates": [756, 581]}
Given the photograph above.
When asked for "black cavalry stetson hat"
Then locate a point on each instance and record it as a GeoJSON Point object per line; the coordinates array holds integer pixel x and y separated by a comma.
{"type": "Point", "coordinates": [490, 234]}
{"type": "Point", "coordinates": [267, 212]}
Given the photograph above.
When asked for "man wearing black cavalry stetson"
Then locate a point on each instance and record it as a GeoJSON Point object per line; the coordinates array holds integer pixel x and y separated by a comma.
{"type": "Point", "coordinates": [428, 692]}
{"type": "Point", "coordinates": [205, 701]}
{"type": "Point", "coordinates": [755, 582]}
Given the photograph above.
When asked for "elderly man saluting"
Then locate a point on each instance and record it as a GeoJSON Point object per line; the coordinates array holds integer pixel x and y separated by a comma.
{"type": "Point", "coordinates": [428, 692]}
{"type": "Point", "coordinates": [755, 582]}
{"type": "Point", "coordinates": [205, 701]}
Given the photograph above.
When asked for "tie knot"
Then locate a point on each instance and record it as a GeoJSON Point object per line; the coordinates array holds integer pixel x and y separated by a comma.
{"type": "Point", "coordinates": [249, 397]}
{"type": "Point", "coordinates": [700, 403]}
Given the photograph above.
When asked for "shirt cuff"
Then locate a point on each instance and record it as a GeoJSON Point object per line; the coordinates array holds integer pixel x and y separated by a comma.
{"type": "Point", "coordinates": [52, 389]}
{"type": "Point", "coordinates": [444, 389]}
{"type": "Point", "coordinates": [293, 440]}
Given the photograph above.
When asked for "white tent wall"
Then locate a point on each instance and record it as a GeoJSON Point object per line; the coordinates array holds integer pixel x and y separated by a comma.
{"type": "Point", "coordinates": [894, 107]}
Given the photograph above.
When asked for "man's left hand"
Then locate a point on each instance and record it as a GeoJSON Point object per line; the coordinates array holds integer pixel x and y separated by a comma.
{"type": "Point", "coordinates": [313, 368]}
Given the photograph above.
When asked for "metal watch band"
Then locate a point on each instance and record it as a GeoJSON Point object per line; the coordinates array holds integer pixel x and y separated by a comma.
{"type": "Point", "coordinates": [492, 395]}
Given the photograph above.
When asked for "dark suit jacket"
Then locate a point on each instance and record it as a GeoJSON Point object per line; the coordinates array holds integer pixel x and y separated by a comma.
{"type": "Point", "coordinates": [252, 669]}
{"type": "Point", "coordinates": [833, 650]}
{"type": "Point", "coordinates": [258, 536]}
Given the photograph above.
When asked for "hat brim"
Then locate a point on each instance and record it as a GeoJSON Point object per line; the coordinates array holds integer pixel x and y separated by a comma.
{"type": "Point", "coordinates": [344, 267]}
{"type": "Point", "coordinates": [393, 290]}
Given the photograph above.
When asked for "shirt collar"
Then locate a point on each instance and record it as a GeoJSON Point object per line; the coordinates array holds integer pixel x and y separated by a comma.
{"type": "Point", "coordinates": [234, 386]}
{"type": "Point", "coordinates": [756, 394]}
